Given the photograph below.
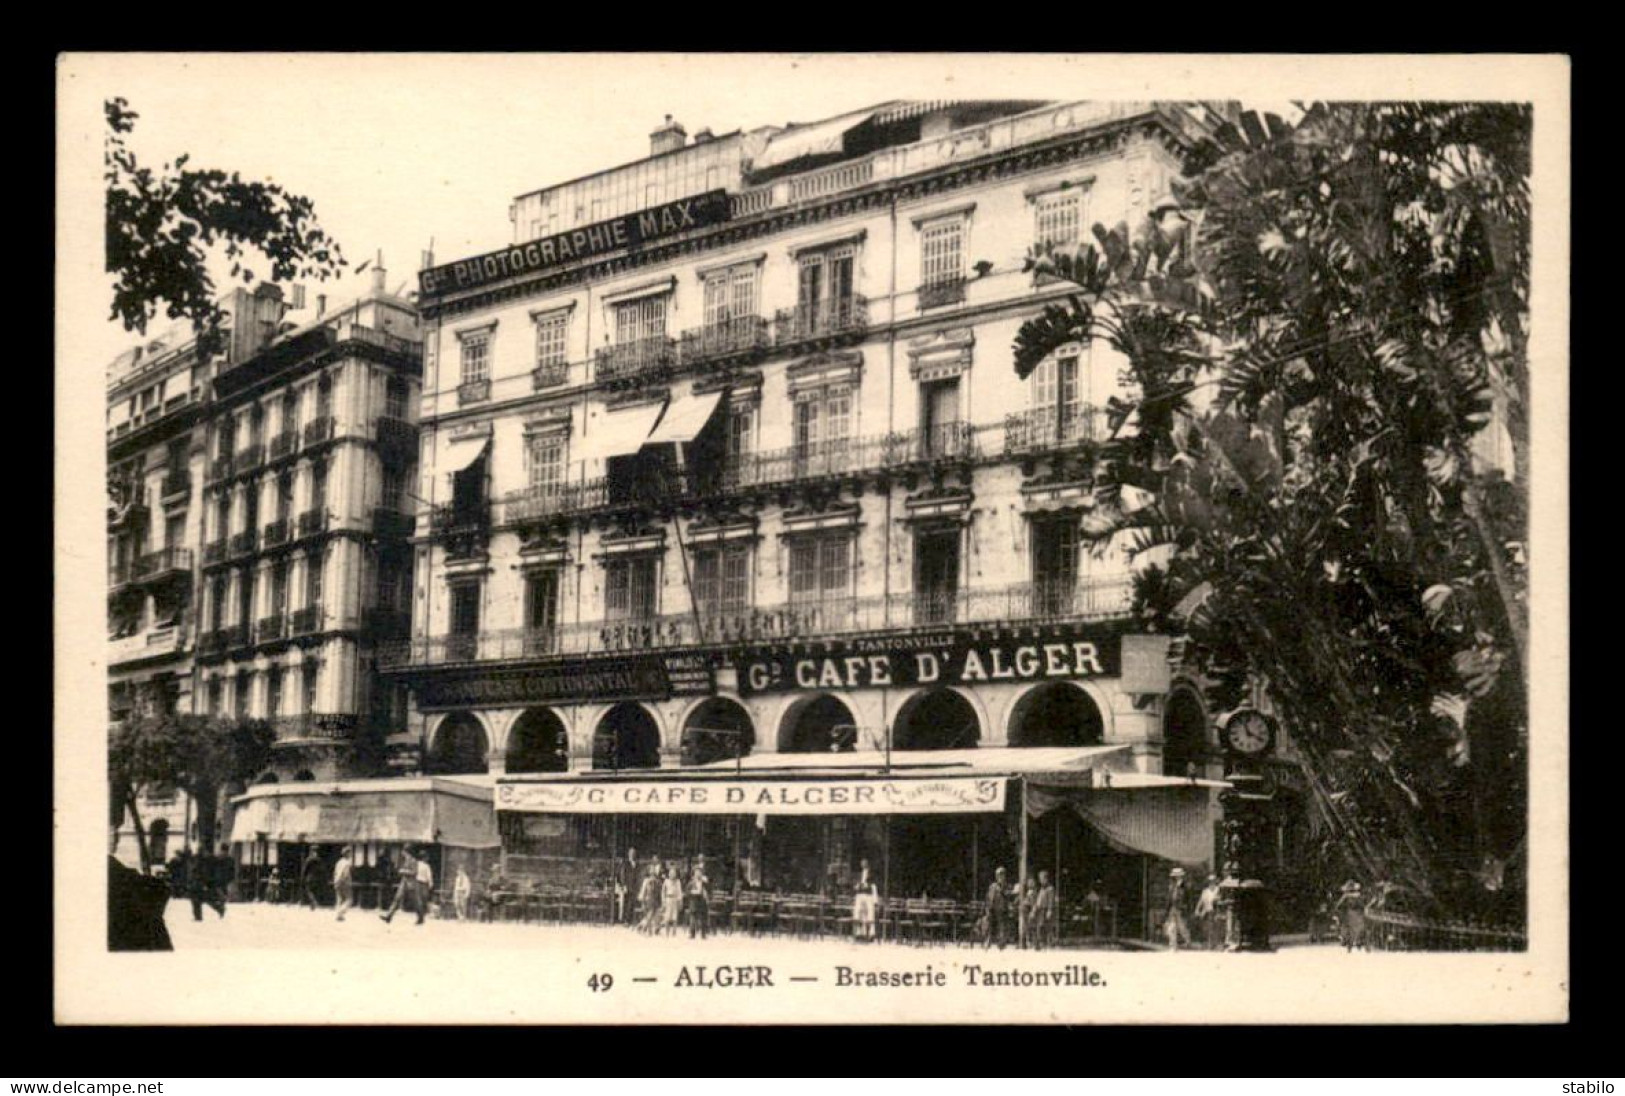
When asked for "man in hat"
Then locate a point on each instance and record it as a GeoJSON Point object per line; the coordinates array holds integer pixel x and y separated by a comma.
{"type": "Point", "coordinates": [699, 900]}
{"type": "Point", "coordinates": [1207, 913]}
{"type": "Point", "coordinates": [307, 878]}
{"type": "Point", "coordinates": [1350, 910]}
{"type": "Point", "coordinates": [343, 883]}
{"type": "Point", "coordinates": [1173, 921]}
{"type": "Point", "coordinates": [405, 888]}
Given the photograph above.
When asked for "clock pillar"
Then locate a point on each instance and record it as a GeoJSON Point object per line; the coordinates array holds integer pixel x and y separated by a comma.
{"type": "Point", "coordinates": [1246, 855]}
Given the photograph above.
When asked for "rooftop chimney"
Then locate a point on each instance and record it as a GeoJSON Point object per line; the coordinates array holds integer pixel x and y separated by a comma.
{"type": "Point", "coordinates": [667, 138]}
{"type": "Point", "coordinates": [378, 272]}
{"type": "Point", "coordinates": [703, 136]}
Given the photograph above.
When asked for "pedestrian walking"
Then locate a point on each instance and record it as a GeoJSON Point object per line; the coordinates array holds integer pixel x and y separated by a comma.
{"type": "Point", "coordinates": [203, 885]}
{"type": "Point", "coordinates": [1045, 912]}
{"type": "Point", "coordinates": [343, 883]}
{"type": "Point", "coordinates": [1207, 914]}
{"type": "Point", "coordinates": [1027, 913]}
{"type": "Point", "coordinates": [649, 899]}
{"type": "Point", "coordinates": [405, 888]}
{"type": "Point", "coordinates": [996, 920]}
{"type": "Point", "coordinates": [626, 887]}
{"type": "Point", "coordinates": [425, 886]}
{"type": "Point", "coordinates": [307, 879]}
{"type": "Point", "coordinates": [460, 892]}
{"type": "Point", "coordinates": [1174, 924]}
{"type": "Point", "coordinates": [865, 904]}
{"type": "Point", "coordinates": [671, 900]}
{"type": "Point", "coordinates": [1350, 910]}
{"type": "Point", "coordinates": [699, 900]}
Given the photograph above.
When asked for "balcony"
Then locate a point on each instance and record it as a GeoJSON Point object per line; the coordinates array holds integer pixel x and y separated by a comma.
{"type": "Point", "coordinates": [1024, 604]}
{"type": "Point", "coordinates": [270, 628]}
{"type": "Point", "coordinates": [312, 523]}
{"type": "Point", "coordinates": [409, 348]}
{"type": "Point", "coordinates": [284, 445]}
{"type": "Point", "coordinates": [473, 392]}
{"type": "Point", "coordinates": [177, 484]}
{"type": "Point", "coordinates": [390, 524]}
{"type": "Point", "coordinates": [1044, 429]}
{"type": "Point", "coordinates": [635, 361]}
{"type": "Point", "coordinates": [242, 543]}
{"type": "Point", "coordinates": [214, 551]}
{"type": "Point", "coordinates": [314, 725]}
{"type": "Point", "coordinates": [306, 621]}
{"type": "Point", "coordinates": [319, 430]}
{"type": "Point", "coordinates": [551, 375]}
{"type": "Point", "coordinates": [742, 336]}
{"type": "Point", "coordinates": [248, 458]}
{"type": "Point", "coordinates": [938, 294]}
{"type": "Point", "coordinates": [534, 504]}
{"type": "Point", "coordinates": [844, 317]}
{"type": "Point", "coordinates": [119, 573]}
{"type": "Point", "coordinates": [396, 436]}
{"type": "Point", "coordinates": [163, 564]}
{"type": "Point", "coordinates": [220, 468]}
{"type": "Point", "coordinates": [384, 622]}
{"type": "Point", "coordinates": [234, 636]}
{"type": "Point", "coordinates": [212, 642]}
{"type": "Point", "coordinates": [464, 530]}
{"type": "Point", "coordinates": [275, 533]}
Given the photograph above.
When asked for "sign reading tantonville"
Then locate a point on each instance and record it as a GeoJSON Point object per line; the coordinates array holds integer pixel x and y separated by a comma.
{"type": "Point", "coordinates": [938, 795]}
{"type": "Point", "coordinates": [616, 234]}
{"type": "Point", "coordinates": [953, 658]}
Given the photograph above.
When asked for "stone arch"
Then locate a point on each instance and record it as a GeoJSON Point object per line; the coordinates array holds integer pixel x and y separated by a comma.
{"type": "Point", "coordinates": [1185, 739]}
{"type": "Point", "coordinates": [808, 723]}
{"type": "Point", "coordinates": [1057, 713]}
{"type": "Point", "coordinates": [937, 719]}
{"type": "Point", "coordinates": [538, 743]}
{"type": "Point", "coordinates": [304, 776]}
{"type": "Point", "coordinates": [459, 745]}
{"type": "Point", "coordinates": [627, 737]}
{"type": "Point", "coordinates": [717, 713]}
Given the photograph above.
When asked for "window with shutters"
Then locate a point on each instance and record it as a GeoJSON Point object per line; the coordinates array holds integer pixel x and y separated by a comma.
{"type": "Point", "coordinates": [546, 456]}
{"type": "Point", "coordinates": [820, 567]}
{"type": "Point", "coordinates": [217, 696]}
{"type": "Point", "coordinates": [313, 579]}
{"type": "Point", "coordinates": [476, 358]}
{"type": "Point", "coordinates": [465, 609]}
{"type": "Point", "coordinates": [1054, 565]}
{"type": "Point", "coordinates": [630, 591]}
{"type": "Point", "coordinates": [273, 692]}
{"type": "Point", "coordinates": [822, 429]}
{"type": "Point", "coordinates": [242, 689]}
{"type": "Point", "coordinates": [395, 395]}
{"type": "Point", "coordinates": [1060, 401]}
{"type": "Point", "coordinates": [1058, 218]}
{"type": "Point", "coordinates": [644, 318]}
{"type": "Point", "coordinates": [552, 333]}
{"type": "Point", "coordinates": [392, 492]}
{"type": "Point", "coordinates": [279, 588]}
{"type": "Point", "coordinates": [318, 485]}
{"type": "Point", "coordinates": [722, 578]}
{"type": "Point", "coordinates": [942, 257]}
{"type": "Point", "coordinates": [542, 601]}
{"type": "Point", "coordinates": [310, 671]}
{"type": "Point", "coordinates": [731, 294]}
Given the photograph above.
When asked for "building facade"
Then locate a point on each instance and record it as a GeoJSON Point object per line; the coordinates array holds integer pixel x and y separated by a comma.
{"type": "Point", "coordinates": [307, 456]}
{"type": "Point", "coordinates": [726, 454]}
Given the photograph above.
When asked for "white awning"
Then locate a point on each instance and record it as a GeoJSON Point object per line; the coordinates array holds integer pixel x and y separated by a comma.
{"type": "Point", "coordinates": [619, 433]}
{"type": "Point", "coordinates": [819, 139]}
{"type": "Point", "coordinates": [685, 417]}
{"type": "Point", "coordinates": [459, 458]}
{"type": "Point", "coordinates": [428, 810]}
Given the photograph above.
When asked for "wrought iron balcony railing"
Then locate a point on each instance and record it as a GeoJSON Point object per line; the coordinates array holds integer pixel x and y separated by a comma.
{"type": "Point", "coordinates": [163, 563]}
{"type": "Point", "coordinates": [551, 500]}
{"type": "Point", "coordinates": [214, 551]}
{"type": "Point", "coordinates": [937, 294]}
{"type": "Point", "coordinates": [284, 445]}
{"type": "Point", "coordinates": [243, 543]}
{"type": "Point", "coordinates": [551, 375]}
{"type": "Point", "coordinates": [386, 622]}
{"type": "Point", "coordinates": [177, 482]}
{"type": "Point", "coordinates": [270, 628]}
{"type": "Point", "coordinates": [220, 468]}
{"type": "Point", "coordinates": [306, 621]}
{"type": "Point", "coordinates": [396, 435]}
{"type": "Point", "coordinates": [1046, 428]}
{"type": "Point", "coordinates": [312, 522]}
{"type": "Point", "coordinates": [473, 392]}
{"type": "Point", "coordinates": [233, 636]}
{"type": "Point", "coordinates": [1024, 604]}
{"type": "Point", "coordinates": [389, 524]}
{"type": "Point", "coordinates": [638, 359]}
{"type": "Point", "coordinates": [741, 335]}
{"type": "Point", "coordinates": [411, 348]}
{"type": "Point", "coordinates": [248, 458]}
{"type": "Point", "coordinates": [319, 429]}
{"type": "Point", "coordinates": [275, 532]}
{"type": "Point", "coordinates": [825, 319]}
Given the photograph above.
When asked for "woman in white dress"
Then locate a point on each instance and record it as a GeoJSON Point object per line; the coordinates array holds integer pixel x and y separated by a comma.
{"type": "Point", "coordinates": [671, 900]}
{"type": "Point", "coordinates": [865, 904]}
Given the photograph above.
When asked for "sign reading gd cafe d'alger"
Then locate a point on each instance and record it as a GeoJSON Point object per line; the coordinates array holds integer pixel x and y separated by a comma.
{"type": "Point", "coordinates": [615, 234]}
{"type": "Point", "coordinates": [955, 658]}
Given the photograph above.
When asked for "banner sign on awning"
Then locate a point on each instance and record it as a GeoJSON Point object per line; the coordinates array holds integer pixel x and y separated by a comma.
{"type": "Point", "coordinates": [950, 659]}
{"type": "Point", "coordinates": [943, 795]}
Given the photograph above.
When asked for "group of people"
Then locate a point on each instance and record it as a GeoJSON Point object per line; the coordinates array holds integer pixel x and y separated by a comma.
{"type": "Point", "coordinates": [656, 899]}
{"type": "Point", "coordinates": [1212, 925]}
{"type": "Point", "coordinates": [201, 878]}
{"type": "Point", "coordinates": [1027, 916]}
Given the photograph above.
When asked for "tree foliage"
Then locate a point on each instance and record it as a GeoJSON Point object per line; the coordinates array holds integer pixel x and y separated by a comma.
{"type": "Point", "coordinates": [1313, 338]}
{"type": "Point", "coordinates": [163, 227]}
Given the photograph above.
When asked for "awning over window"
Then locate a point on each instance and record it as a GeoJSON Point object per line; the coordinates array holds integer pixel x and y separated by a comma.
{"type": "Point", "coordinates": [1164, 817]}
{"type": "Point", "coordinates": [619, 433]}
{"type": "Point", "coordinates": [685, 417]}
{"type": "Point", "coordinates": [460, 458]}
{"type": "Point", "coordinates": [453, 811]}
{"type": "Point", "coordinates": [819, 139]}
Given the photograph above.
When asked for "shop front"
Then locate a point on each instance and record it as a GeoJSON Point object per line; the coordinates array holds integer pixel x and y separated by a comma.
{"type": "Point", "coordinates": [786, 838]}
{"type": "Point", "coordinates": [448, 819]}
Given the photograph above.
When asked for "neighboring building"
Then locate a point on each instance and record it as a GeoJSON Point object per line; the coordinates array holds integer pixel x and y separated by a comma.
{"type": "Point", "coordinates": [726, 453]}
{"type": "Point", "coordinates": [158, 395]}
{"type": "Point", "coordinates": [309, 453]}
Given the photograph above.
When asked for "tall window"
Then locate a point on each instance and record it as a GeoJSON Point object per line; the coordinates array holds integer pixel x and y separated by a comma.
{"type": "Point", "coordinates": [630, 592]}
{"type": "Point", "coordinates": [318, 485]}
{"type": "Point", "coordinates": [820, 567]}
{"type": "Point", "coordinates": [177, 457]}
{"type": "Point", "coordinates": [822, 426]}
{"type": "Point", "coordinates": [241, 691]}
{"type": "Point", "coordinates": [730, 294]}
{"type": "Point", "coordinates": [552, 332]}
{"type": "Point", "coordinates": [741, 433]}
{"type": "Point", "coordinates": [1054, 565]}
{"type": "Point", "coordinates": [476, 357]}
{"type": "Point", "coordinates": [245, 591]}
{"type": "Point", "coordinates": [290, 411]}
{"type": "Point", "coordinates": [284, 496]}
{"type": "Point", "coordinates": [542, 601]}
{"type": "Point", "coordinates": [465, 619]}
{"type": "Point", "coordinates": [279, 588]}
{"type": "Point", "coordinates": [644, 318]}
{"type": "Point", "coordinates": [722, 578]}
{"type": "Point", "coordinates": [392, 492]}
{"type": "Point", "coordinates": [1059, 399]}
{"type": "Point", "coordinates": [222, 517]}
{"type": "Point", "coordinates": [824, 284]}
{"type": "Point", "coordinates": [1058, 220]}
{"type": "Point", "coordinates": [313, 580]}
{"type": "Point", "coordinates": [217, 696]}
{"type": "Point", "coordinates": [936, 575]}
{"type": "Point", "coordinates": [545, 453]}
{"type": "Point", "coordinates": [256, 425]}
{"type": "Point", "coordinates": [217, 602]}
{"type": "Point", "coordinates": [939, 417]}
{"type": "Point", "coordinates": [175, 531]}
{"type": "Point", "coordinates": [310, 671]}
{"type": "Point", "coordinates": [395, 398]}
{"type": "Point", "coordinates": [273, 692]}
{"type": "Point", "coordinates": [324, 397]}
{"type": "Point", "coordinates": [942, 257]}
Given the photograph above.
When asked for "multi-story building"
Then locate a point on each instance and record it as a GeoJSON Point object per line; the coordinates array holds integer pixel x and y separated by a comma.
{"type": "Point", "coordinates": [309, 451]}
{"type": "Point", "coordinates": [752, 397]}
{"type": "Point", "coordinates": [158, 395]}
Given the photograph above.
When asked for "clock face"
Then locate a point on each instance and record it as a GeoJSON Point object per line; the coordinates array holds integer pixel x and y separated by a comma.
{"type": "Point", "coordinates": [1248, 732]}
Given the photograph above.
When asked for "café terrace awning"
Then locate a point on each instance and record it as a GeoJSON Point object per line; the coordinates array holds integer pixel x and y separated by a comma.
{"type": "Point", "coordinates": [685, 418]}
{"type": "Point", "coordinates": [445, 810]}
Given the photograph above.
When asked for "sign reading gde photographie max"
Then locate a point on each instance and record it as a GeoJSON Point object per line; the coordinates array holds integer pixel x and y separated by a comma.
{"type": "Point", "coordinates": [945, 795]}
{"type": "Point", "coordinates": [949, 659]}
{"type": "Point", "coordinates": [615, 234]}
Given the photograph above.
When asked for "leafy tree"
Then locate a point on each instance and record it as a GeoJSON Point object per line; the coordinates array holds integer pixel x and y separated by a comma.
{"type": "Point", "coordinates": [164, 226]}
{"type": "Point", "coordinates": [1313, 336]}
{"type": "Point", "coordinates": [199, 754]}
